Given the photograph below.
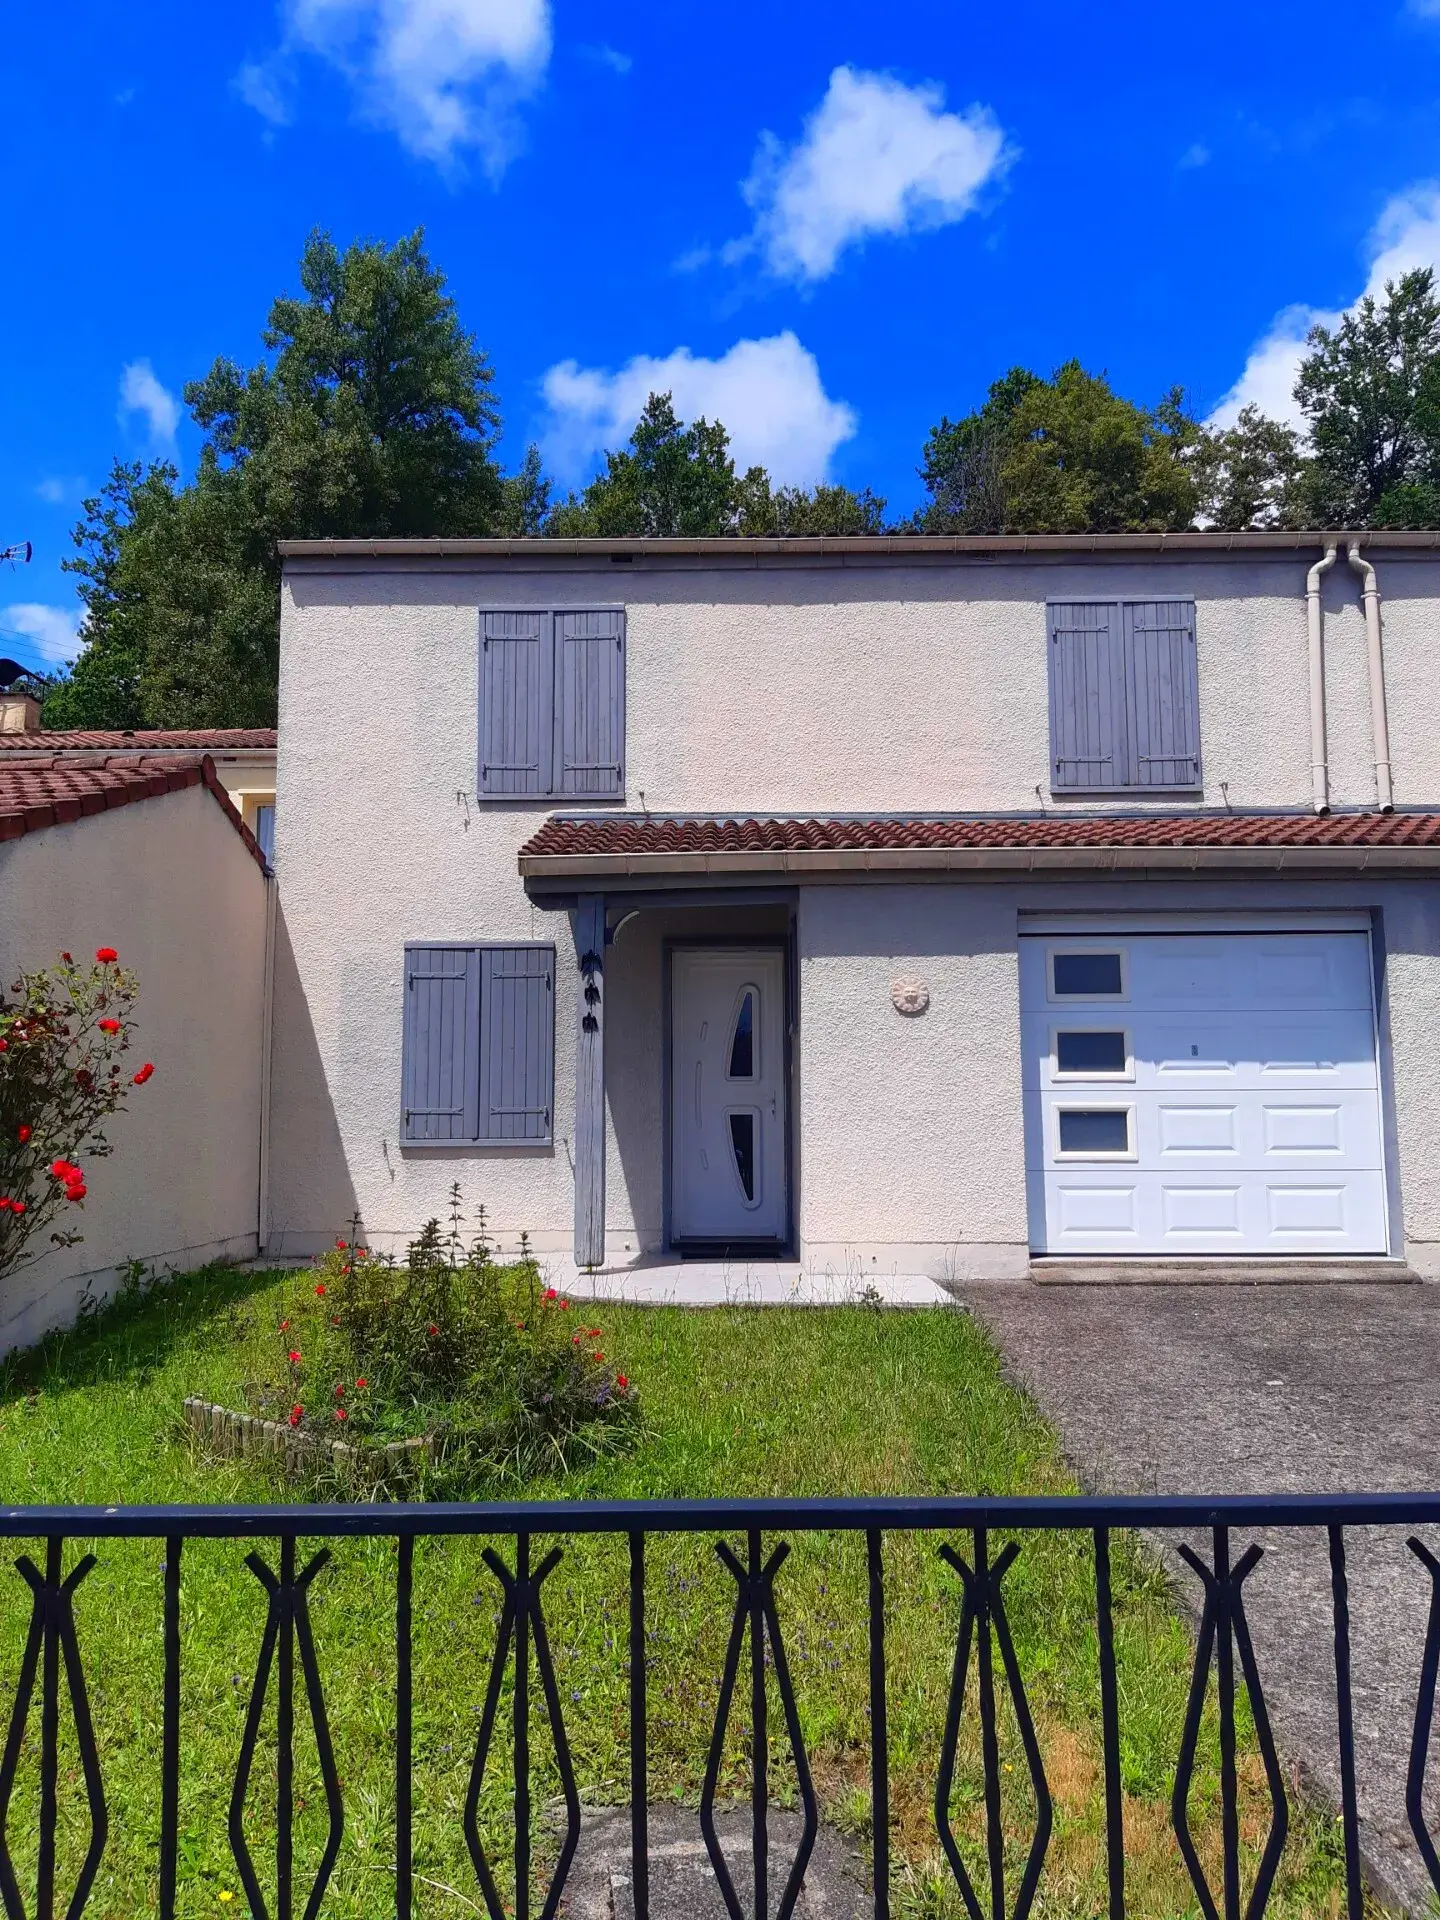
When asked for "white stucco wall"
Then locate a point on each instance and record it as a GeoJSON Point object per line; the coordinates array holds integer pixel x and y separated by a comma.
{"type": "Point", "coordinates": [169, 884]}
{"type": "Point", "coordinates": [767, 690]}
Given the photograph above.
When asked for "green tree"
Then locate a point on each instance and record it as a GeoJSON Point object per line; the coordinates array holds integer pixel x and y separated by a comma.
{"type": "Point", "coordinates": [1370, 391]}
{"type": "Point", "coordinates": [1251, 474]}
{"type": "Point", "coordinates": [373, 413]}
{"type": "Point", "coordinates": [1063, 455]}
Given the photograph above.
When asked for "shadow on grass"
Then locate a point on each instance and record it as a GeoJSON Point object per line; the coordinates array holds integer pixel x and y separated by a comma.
{"type": "Point", "coordinates": [131, 1336]}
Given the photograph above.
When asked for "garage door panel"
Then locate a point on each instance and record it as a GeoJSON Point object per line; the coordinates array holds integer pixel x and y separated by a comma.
{"type": "Point", "coordinates": [1252, 1107]}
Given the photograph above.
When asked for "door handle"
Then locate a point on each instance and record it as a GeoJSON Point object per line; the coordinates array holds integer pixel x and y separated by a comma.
{"type": "Point", "coordinates": [698, 1122]}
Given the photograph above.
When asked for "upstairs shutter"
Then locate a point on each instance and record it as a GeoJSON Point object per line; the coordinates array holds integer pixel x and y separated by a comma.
{"type": "Point", "coordinates": [517, 1055]}
{"type": "Point", "coordinates": [1089, 749]}
{"type": "Point", "coordinates": [439, 1073]}
{"type": "Point", "coordinates": [590, 705]}
{"type": "Point", "coordinates": [516, 703]}
{"type": "Point", "coordinates": [1164, 699]}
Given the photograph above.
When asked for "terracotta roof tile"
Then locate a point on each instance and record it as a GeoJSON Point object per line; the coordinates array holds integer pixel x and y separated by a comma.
{"type": "Point", "coordinates": [58, 792]}
{"type": "Point", "coordinates": [619, 835]}
{"type": "Point", "coordinates": [165, 740]}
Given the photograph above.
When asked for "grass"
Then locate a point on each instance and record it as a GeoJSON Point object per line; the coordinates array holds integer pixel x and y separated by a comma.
{"type": "Point", "coordinates": [738, 1401]}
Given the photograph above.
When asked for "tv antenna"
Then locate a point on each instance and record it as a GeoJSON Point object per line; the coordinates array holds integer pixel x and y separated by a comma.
{"type": "Point", "coordinates": [20, 552]}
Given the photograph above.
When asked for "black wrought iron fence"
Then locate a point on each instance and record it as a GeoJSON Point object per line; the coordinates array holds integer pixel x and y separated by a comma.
{"type": "Point", "coordinates": [522, 1654]}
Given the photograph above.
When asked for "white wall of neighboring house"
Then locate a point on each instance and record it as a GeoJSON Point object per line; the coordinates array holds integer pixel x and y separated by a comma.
{"type": "Point", "coordinates": [168, 883]}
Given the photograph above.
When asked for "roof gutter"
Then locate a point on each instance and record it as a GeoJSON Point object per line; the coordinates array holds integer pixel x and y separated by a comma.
{"type": "Point", "coordinates": [901, 861]}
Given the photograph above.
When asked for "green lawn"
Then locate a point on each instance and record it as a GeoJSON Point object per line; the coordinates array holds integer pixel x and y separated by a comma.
{"type": "Point", "coordinates": [738, 1401]}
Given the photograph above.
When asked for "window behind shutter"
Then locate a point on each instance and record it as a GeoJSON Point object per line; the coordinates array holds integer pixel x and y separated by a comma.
{"type": "Point", "coordinates": [590, 704]}
{"type": "Point", "coordinates": [1088, 743]}
{"type": "Point", "coordinates": [1164, 694]}
{"type": "Point", "coordinates": [440, 1081]}
{"type": "Point", "coordinates": [517, 1058]}
{"type": "Point", "coordinates": [516, 703]}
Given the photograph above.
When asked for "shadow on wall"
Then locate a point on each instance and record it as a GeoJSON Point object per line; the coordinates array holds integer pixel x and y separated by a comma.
{"type": "Point", "coordinates": [311, 1194]}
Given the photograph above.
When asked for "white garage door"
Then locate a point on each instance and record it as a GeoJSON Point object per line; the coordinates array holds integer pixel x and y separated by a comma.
{"type": "Point", "coordinates": [1202, 1093]}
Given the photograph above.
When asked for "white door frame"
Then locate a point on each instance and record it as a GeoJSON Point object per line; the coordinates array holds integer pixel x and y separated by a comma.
{"type": "Point", "coordinates": [762, 943]}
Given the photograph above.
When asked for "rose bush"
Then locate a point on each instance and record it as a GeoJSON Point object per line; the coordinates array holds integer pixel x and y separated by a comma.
{"type": "Point", "coordinates": [507, 1374]}
{"type": "Point", "coordinates": [64, 1032]}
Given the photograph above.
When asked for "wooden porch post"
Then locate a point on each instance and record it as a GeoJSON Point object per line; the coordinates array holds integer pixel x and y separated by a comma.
{"type": "Point", "coordinates": [590, 1083]}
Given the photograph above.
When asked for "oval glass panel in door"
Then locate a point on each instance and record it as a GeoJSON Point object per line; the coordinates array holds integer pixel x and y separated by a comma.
{"type": "Point", "coordinates": [744, 1123]}
{"type": "Point", "coordinates": [744, 1062]}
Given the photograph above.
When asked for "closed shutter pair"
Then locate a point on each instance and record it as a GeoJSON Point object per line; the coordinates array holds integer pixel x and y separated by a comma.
{"type": "Point", "coordinates": [1124, 695]}
{"type": "Point", "coordinates": [552, 704]}
{"type": "Point", "coordinates": [478, 1059]}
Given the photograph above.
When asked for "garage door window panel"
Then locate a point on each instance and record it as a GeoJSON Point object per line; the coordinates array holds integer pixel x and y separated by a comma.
{"type": "Point", "coordinates": [1091, 1053]}
{"type": "Point", "coordinates": [1094, 1133]}
{"type": "Point", "coordinates": [1088, 973]}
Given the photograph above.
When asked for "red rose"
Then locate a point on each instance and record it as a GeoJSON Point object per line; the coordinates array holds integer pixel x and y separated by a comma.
{"type": "Point", "coordinates": [5, 1205]}
{"type": "Point", "coordinates": [23, 1135]}
{"type": "Point", "coordinates": [66, 958]}
{"type": "Point", "coordinates": [75, 1190]}
{"type": "Point", "coordinates": [362, 1383]}
{"type": "Point", "coordinates": [4, 1046]}
{"type": "Point", "coordinates": [297, 1414]}
{"type": "Point", "coordinates": [107, 956]}
{"type": "Point", "coordinates": [621, 1382]}
{"type": "Point", "coordinates": [144, 1074]}
{"type": "Point", "coordinates": [108, 1026]}
{"type": "Point", "coordinates": [340, 1413]}
{"type": "Point", "coordinates": [340, 1246]}
{"type": "Point", "coordinates": [17, 1206]}
{"type": "Point", "coordinates": [552, 1293]}
{"type": "Point", "coordinates": [294, 1356]}
{"type": "Point", "coordinates": [62, 1169]}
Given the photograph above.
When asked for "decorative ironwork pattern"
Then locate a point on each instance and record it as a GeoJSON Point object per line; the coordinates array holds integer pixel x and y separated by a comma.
{"type": "Point", "coordinates": [51, 1665]}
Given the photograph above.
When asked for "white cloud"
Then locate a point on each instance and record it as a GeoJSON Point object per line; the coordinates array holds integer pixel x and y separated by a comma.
{"type": "Point", "coordinates": [1197, 155]}
{"type": "Point", "coordinates": [141, 392]}
{"type": "Point", "coordinates": [444, 75]}
{"type": "Point", "coordinates": [1407, 235]}
{"type": "Point", "coordinates": [875, 156]}
{"type": "Point", "coordinates": [1427, 9]}
{"type": "Point", "coordinates": [767, 393]}
{"type": "Point", "coordinates": [56, 489]}
{"type": "Point", "coordinates": [54, 632]}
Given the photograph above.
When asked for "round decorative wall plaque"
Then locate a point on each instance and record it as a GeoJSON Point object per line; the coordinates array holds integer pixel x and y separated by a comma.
{"type": "Point", "coordinates": [910, 994]}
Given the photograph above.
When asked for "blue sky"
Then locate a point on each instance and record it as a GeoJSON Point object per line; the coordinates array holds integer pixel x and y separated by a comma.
{"type": "Point", "coordinates": [827, 223]}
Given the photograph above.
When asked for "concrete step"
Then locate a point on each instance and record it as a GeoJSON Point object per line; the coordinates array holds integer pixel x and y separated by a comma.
{"type": "Point", "coordinates": [1101, 1272]}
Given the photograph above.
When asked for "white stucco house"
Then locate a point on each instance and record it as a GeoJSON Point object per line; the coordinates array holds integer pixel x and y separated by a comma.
{"type": "Point", "coordinates": [932, 906]}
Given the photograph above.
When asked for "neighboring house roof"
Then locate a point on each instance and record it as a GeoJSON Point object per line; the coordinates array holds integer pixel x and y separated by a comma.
{"type": "Point", "coordinates": [863, 546]}
{"type": "Point", "coordinates": [34, 797]}
{"type": "Point", "coordinates": [576, 846]}
{"type": "Point", "coordinates": [164, 740]}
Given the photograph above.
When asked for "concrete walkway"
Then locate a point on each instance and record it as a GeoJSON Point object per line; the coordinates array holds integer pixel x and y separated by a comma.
{"type": "Point", "coordinates": [1268, 1389]}
{"type": "Point", "coordinates": [648, 1281]}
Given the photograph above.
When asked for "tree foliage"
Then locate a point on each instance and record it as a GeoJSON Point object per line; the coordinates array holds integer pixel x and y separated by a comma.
{"type": "Point", "coordinates": [1063, 455]}
{"type": "Point", "coordinates": [372, 413]}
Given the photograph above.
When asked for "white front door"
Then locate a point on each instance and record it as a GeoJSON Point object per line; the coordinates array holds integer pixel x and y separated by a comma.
{"type": "Point", "coordinates": [727, 1094]}
{"type": "Point", "coordinates": [1202, 1093]}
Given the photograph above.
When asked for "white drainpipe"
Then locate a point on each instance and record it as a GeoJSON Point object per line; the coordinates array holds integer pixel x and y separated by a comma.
{"type": "Point", "coordinates": [1319, 770]}
{"type": "Point", "coordinates": [1379, 722]}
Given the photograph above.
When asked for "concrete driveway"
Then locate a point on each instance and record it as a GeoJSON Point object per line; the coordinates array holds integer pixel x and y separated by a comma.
{"type": "Point", "coordinates": [1258, 1389]}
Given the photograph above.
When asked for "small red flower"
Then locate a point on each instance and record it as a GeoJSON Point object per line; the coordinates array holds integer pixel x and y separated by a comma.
{"type": "Point", "coordinates": [321, 1288]}
{"type": "Point", "coordinates": [592, 1333]}
{"type": "Point", "coordinates": [297, 1414]}
{"type": "Point", "coordinates": [284, 1326]}
{"type": "Point", "coordinates": [17, 1206]}
{"type": "Point", "coordinates": [564, 1306]}
{"type": "Point", "coordinates": [66, 958]}
{"type": "Point", "coordinates": [107, 956]}
{"type": "Point", "coordinates": [432, 1328]}
{"type": "Point", "coordinates": [23, 1135]}
{"type": "Point", "coordinates": [621, 1382]}
{"type": "Point", "coordinates": [75, 1190]}
{"type": "Point", "coordinates": [4, 1046]}
{"type": "Point", "coordinates": [552, 1293]}
{"type": "Point", "coordinates": [362, 1383]}
{"type": "Point", "coordinates": [5, 1205]}
{"type": "Point", "coordinates": [597, 1354]}
{"type": "Point", "coordinates": [108, 1026]}
{"type": "Point", "coordinates": [340, 1413]}
{"type": "Point", "coordinates": [63, 1170]}
{"type": "Point", "coordinates": [294, 1356]}
{"type": "Point", "coordinates": [340, 1246]}
{"type": "Point", "coordinates": [144, 1074]}
{"type": "Point", "coordinates": [574, 1339]}
{"type": "Point", "coordinates": [340, 1390]}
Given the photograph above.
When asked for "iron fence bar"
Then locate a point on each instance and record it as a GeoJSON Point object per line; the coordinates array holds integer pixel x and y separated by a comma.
{"type": "Point", "coordinates": [49, 1735]}
{"type": "Point", "coordinates": [404, 1729]}
{"type": "Point", "coordinates": [1225, 1684]}
{"type": "Point", "coordinates": [285, 1739]}
{"type": "Point", "coordinates": [170, 1731]}
{"type": "Point", "coordinates": [521, 1732]}
{"type": "Point", "coordinates": [1050, 1512]}
{"type": "Point", "coordinates": [759, 1736]}
{"type": "Point", "coordinates": [989, 1732]}
{"type": "Point", "coordinates": [1345, 1721]}
{"type": "Point", "coordinates": [1110, 1727]}
{"type": "Point", "coordinates": [879, 1729]}
{"type": "Point", "coordinates": [639, 1739]}
{"type": "Point", "coordinates": [1424, 1718]}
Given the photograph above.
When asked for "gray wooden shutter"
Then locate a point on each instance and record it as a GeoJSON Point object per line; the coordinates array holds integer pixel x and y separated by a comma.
{"type": "Point", "coordinates": [439, 1073]}
{"type": "Point", "coordinates": [1164, 701]}
{"type": "Point", "coordinates": [590, 704]}
{"type": "Point", "coordinates": [516, 703]}
{"type": "Point", "coordinates": [517, 1058]}
{"type": "Point", "coordinates": [1089, 748]}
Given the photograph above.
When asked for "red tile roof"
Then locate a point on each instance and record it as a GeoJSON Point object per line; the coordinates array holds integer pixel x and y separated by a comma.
{"type": "Point", "coordinates": [53, 795]}
{"type": "Point", "coordinates": [191, 740]}
{"type": "Point", "coordinates": [622, 840]}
